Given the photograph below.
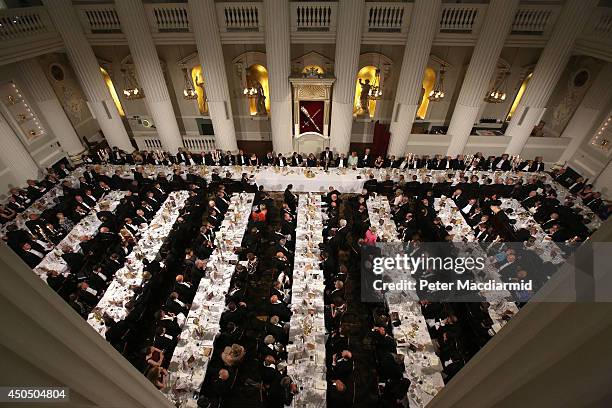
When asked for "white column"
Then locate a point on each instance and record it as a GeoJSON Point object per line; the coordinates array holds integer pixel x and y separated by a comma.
{"type": "Point", "coordinates": [39, 87]}
{"type": "Point", "coordinates": [589, 113]}
{"type": "Point", "coordinates": [424, 24]}
{"type": "Point", "coordinates": [346, 66]}
{"type": "Point", "coordinates": [278, 46]}
{"type": "Point", "coordinates": [15, 156]}
{"type": "Point", "coordinates": [547, 72]}
{"type": "Point", "coordinates": [85, 65]}
{"type": "Point", "coordinates": [49, 345]}
{"type": "Point", "coordinates": [483, 64]}
{"type": "Point", "coordinates": [134, 24]}
{"type": "Point", "coordinates": [203, 18]}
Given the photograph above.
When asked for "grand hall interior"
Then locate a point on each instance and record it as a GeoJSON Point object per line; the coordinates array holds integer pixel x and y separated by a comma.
{"type": "Point", "coordinates": [306, 204]}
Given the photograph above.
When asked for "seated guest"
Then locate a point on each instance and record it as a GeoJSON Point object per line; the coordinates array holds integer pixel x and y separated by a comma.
{"type": "Point", "coordinates": [233, 355]}
{"type": "Point", "coordinates": [31, 256]}
{"type": "Point", "coordinates": [338, 396]}
{"type": "Point", "coordinates": [253, 160]}
{"type": "Point", "coordinates": [278, 308]}
{"type": "Point", "coordinates": [342, 365]}
{"type": "Point", "coordinates": [176, 306]}
{"type": "Point", "coordinates": [158, 376]}
{"type": "Point", "coordinates": [34, 190]}
{"type": "Point", "coordinates": [341, 161]}
{"type": "Point", "coordinates": [6, 214]}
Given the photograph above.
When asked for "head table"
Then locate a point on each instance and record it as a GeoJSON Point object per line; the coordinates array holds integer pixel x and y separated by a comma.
{"type": "Point", "coordinates": [345, 180]}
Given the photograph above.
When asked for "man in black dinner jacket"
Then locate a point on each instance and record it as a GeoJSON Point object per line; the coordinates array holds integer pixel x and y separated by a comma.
{"type": "Point", "coordinates": [327, 156]}
{"type": "Point", "coordinates": [241, 158]}
{"type": "Point", "coordinates": [365, 160]}
{"type": "Point", "coordinates": [501, 163]}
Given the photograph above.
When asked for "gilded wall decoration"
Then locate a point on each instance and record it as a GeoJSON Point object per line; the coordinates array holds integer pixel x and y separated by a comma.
{"type": "Point", "coordinates": [312, 92]}
{"type": "Point", "coordinates": [66, 87]}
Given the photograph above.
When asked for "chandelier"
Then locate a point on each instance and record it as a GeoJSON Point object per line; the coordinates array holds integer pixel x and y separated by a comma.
{"type": "Point", "coordinates": [498, 93]}
{"type": "Point", "coordinates": [248, 91]}
{"type": "Point", "coordinates": [189, 91]}
{"type": "Point", "coordinates": [437, 93]}
{"type": "Point", "coordinates": [375, 92]}
{"type": "Point", "coordinates": [131, 90]}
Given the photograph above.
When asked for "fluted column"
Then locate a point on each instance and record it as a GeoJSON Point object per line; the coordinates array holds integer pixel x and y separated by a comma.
{"type": "Point", "coordinates": [278, 46]}
{"type": "Point", "coordinates": [134, 24]}
{"type": "Point", "coordinates": [14, 155]}
{"type": "Point", "coordinates": [589, 113]}
{"type": "Point", "coordinates": [203, 18]}
{"type": "Point", "coordinates": [39, 87]}
{"type": "Point", "coordinates": [85, 65]}
{"type": "Point", "coordinates": [547, 72]}
{"type": "Point", "coordinates": [49, 345]}
{"type": "Point", "coordinates": [346, 66]}
{"type": "Point", "coordinates": [483, 64]}
{"type": "Point", "coordinates": [424, 24]}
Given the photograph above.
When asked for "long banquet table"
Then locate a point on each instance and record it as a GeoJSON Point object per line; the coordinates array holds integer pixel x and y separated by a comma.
{"type": "Point", "coordinates": [500, 305]}
{"type": "Point", "coordinates": [195, 348]}
{"type": "Point", "coordinates": [423, 367]}
{"type": "Point", "coordinates": [88, 226]}
{"type": "Point", "coordinates": [116, 297]}
{"type": "Point", "coordinates": [48, 200]}
{"type": "Point", "coordinates": [345, 180]}
{"type": "Point", "coordinates": [306, 349]}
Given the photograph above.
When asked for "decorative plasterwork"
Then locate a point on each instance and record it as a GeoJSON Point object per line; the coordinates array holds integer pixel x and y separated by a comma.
{"type": "Point", "coordinates": [312, 58]}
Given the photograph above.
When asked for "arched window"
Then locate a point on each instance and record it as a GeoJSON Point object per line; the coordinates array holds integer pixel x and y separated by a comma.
{"type": "Point", "coordinates": [113, 92]}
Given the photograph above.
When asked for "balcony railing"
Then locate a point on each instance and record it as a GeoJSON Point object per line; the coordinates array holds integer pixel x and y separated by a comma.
{"type": "Point", "coordinates": [22, 23]}
{"type": "Point", "coordinates": [534, 20]}
{"type": "Point", "coordinates": [193, 143]}
{"type": "Point", "coordinates": [28, 31]}
{"type": "Point", "coordinates": [313, 16]}
{"type": "Point", "coordinates": [168, 18]}
{"type": "Point", "coordinates": [386, 17]}
{"type": "Point", "coordinates": [462, 18]}
{"type": "Point", "coordinates": [199, 143]}
{"type": "Point", "coordinates": [99, 18]}
{"type": "Point", "coordinates": [240, 16]}
{"type": "Point", "coordinates": [599, 27]}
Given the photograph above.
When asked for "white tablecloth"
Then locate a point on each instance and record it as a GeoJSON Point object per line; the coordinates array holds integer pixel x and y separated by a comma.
{"type": "Point", "coordinates": [86, 227]}
{"type": "Point", "coordinates": [192, 354]}
{"type": "Point", "coordinates": [344, 180]}
{"type": "Point", "coordinates": [544, 246]}
{"type": "Point", "coordinates": [498, 308]}
{"type": "Point", "coordinates": [318, 180]}
{"type": "Point", "coordinates": [48, 200]}
{"type": "Point", "coordinates": [120, 292]}
{"type": "Point", "coordinates": [423, 367]}
{"type": "Point", "coordinates": [306, 360]}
